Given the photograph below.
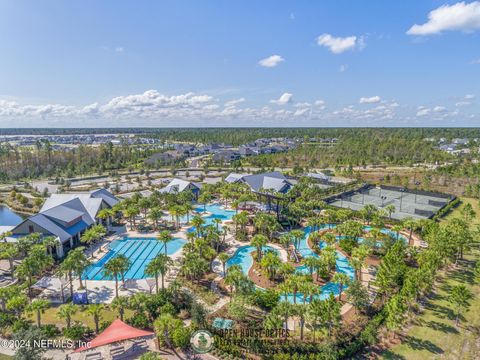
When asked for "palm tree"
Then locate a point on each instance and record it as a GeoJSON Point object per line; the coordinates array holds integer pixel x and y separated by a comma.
{"type": "Point", "coordinates": [66, 311]}
{"type": "Point", "coordinates": [155, 215]}
{"type": "Point", "coordinates": [294, 282]}
{"type": "Point", "coordinates": [39, 306]}
{"type": "Point", "coordinates": [188, 208]}
{"type": "Point", "coordinates": [78, 263]}
{"type": "Point", "coordinates": [114, 268]}
{"type": "Point", "coordinates": [286, 310]}
{"type": "Point", "coordinates": [197, 222]}
{"type": "Point", "coordinates": [259, 241]}
{"type": "Point", "coordinates": [50, 242]}
{"type": "Point", "coordinates": [359, 255]}
{"type": "Point", "coordinates": [204, 199]}
{"type": "Point", "coordinates": [341, 279]}
{"type": "Point", "coordinates": [411, 225]}
{"type": "Point", "coordinates": [390, 209]}
{"type": "Point", "coordinates": [286, 239]}
{"type": "Point", "coordinates": [164, 237]}
{"type": "Point", "coordinates": [95, 310]}
{"type": "Point", "coordinates": [396, 229]}
{"type": "Point", "coordinates": [120, 303]}
{"type": "Point", "coordinates": [105, 214]}
{"type": "Point", "coordinates": [158, 266]}
{"type": "Point", "coordinates": [223, 258]}
{"type": "Point", "coordinates": [314, 314]}
{"type": "Point", "coordinates": [9, 252]}
{"type": "Point", "coordinates": [271, 262]}
{"type": "Point", "coordinates": [329, 238]}
{"type": "Point", "coordinates": [310, 262]}
{"type": "Point", "coordinates": [217, 222]}
{"type": "Point", "coordinates": [297, 237]}
{"type": "Point", "coordinates": [131, 213]}
{"type": "Point", "coordinates": [33, 265]}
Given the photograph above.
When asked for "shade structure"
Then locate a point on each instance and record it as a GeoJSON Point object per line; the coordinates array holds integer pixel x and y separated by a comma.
{"type": "Point", "coordinates": [117, 331]}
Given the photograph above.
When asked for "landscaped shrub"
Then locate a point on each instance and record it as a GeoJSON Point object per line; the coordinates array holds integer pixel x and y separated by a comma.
{"type": "Point", "coordinates": [76, 332]}
{"type": "Point", "coordinates": [139, 320]}
{"type": "Point", "coordinates": [267, 299]}
{"type": "Point", "coordinates": [50, 331]}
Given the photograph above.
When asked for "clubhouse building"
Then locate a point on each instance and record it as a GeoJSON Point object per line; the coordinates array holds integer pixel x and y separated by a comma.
{"type": "Point", "coordinates": [66, 217]}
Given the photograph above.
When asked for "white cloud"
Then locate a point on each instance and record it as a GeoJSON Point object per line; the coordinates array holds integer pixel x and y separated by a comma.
{"type": "Point", "coordinates": [271, 61]}
{"type": "Point", "coordinates": [234, 102]}
{"type": "Point", "coordinates": [460, 16]}
{"type": "Point", "coordinates": [370, 100]}
{"type": "Point", "coordinates": [292, 16]}
{"type": "Point", "coordinates": [301, 111]}
{"type": "Point", "coordinates": [469, 97]}
{"type": "Point", "coordinates": [343, 68]}
{"type": "Point", "coordinates": [462, 103]}
{"type": "Point", "coordinates": [320, 104]}
{"type": "Point", "coordinates": [119, 49]}
{"type": "Point", "coordinates": [152, 108]}
{"type": "Point", "coordinates": [284, 99]}
{"type": "Point", "coordinates": [338, 45]}
{"type": "Point", "coordinates": [475, 62]}
{"type": "Point", "coordinates": [423, 111]}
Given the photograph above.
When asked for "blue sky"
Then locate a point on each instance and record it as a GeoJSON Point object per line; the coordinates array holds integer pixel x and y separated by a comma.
{"type": "Point", "coordinates": [239, 63]}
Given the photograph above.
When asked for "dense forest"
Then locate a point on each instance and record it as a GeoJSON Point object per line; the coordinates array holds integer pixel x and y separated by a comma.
{"type": "Point", "coordinates": [354, 147]}
{"type": "Point", "coordinates": [41, 161]}
{"type": "Point", "coordinates": [237, 136]}
{"type": "Point", "coordinates": [373, 148]}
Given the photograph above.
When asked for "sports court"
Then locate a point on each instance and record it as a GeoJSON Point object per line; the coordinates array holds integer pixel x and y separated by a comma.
{"type": "Point", "coordinates": [408, 203]}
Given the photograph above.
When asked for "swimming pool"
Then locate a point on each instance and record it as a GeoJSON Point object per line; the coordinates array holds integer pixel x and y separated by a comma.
{"type": "Point", "coordinates": [243, 257]}
{"type": "Point", "coordinates": [140, 251]}
{"type": "Point", "coordinates": [216, 211]}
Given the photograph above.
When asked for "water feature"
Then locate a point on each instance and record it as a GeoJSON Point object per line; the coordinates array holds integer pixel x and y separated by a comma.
{"type": "Point", "coordinates": [8, 217]}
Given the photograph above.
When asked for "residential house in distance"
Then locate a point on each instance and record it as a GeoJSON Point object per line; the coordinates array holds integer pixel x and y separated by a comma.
{"type": "Point", "coordinates": [176, 186]}
{"type": "Point", "coordinates": [226, 156]}
{"type": "Point", "coordinates": [66, 217]}
{"type": "Point", "coordinates": [166, 157]}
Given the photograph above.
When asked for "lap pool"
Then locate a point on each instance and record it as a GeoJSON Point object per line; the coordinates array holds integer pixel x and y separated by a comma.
{"type": "Point", "coordinates": [140, 251]}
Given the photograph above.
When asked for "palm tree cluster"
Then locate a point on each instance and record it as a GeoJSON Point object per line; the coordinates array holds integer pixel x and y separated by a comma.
{"type": "Point", "coordinates": [153, 208]}
{"type": "Point", "coordinates": [205, 243]}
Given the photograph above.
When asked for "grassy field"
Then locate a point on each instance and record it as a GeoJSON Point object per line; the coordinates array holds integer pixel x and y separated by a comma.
{"type": "Point", "coordinates": [50, 317]}
{"type": "Point", "coordinates": [5, 357]}
{"type": "Point", "coordinates": [433, 335]}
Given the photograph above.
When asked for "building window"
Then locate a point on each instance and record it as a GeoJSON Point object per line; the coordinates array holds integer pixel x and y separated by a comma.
{"type": "Point", "coordinates": [30, 229]}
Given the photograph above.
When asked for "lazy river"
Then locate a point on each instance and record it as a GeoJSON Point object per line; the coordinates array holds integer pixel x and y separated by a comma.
{"type": "Point", "coordinates": [243, 258]}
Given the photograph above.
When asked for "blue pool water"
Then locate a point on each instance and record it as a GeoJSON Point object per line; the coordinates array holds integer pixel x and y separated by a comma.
{"type": "Point", "coordinates": [8, 217]}
{"type": "Point", "coordinates": [216, 211]}
{"type": "Point", "coordinates": [140, 251]}
{"type": "Point", "coordinates": [243, 257]}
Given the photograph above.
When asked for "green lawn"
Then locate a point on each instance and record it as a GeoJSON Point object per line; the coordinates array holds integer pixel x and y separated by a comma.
{"type": "Point", "coordinates": [433, 335]}
{"type": "Point", "coordinates": [50, 317]}
{"type": "Point", "coordinates": [5, 357]}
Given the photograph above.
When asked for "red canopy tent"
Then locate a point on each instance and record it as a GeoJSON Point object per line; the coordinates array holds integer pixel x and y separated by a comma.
{"type": "Point", "coordinates": [117, 331]}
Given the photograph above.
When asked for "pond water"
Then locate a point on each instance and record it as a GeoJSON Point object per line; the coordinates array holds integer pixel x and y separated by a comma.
{"type": "Point", "coordinates": [8, 217]}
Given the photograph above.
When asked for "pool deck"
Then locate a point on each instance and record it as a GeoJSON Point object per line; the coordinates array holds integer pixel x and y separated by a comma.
{"type": "Point", "coordinates": [103, 291]}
